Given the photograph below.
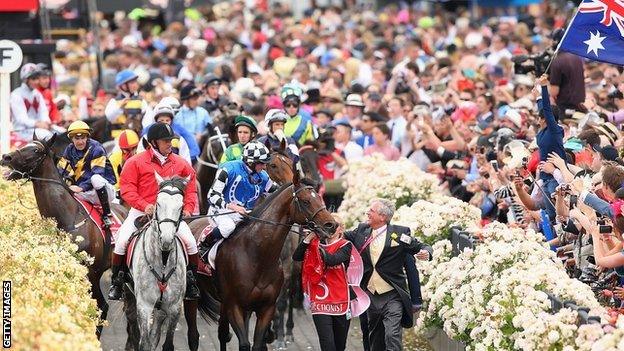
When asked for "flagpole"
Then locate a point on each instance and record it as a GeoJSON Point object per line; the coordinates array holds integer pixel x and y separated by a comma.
{"type": "Point", "coordinates": [563, 37]}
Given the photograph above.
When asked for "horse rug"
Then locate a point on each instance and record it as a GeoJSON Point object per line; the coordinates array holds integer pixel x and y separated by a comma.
{"type": "Point", "coordinates": [95, 213]}
{"type": "Point", "coordinates": [207, 269]}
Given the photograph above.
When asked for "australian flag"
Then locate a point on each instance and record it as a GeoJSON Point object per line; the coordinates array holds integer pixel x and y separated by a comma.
{"type": "Point", "coordinates": [597, 31]}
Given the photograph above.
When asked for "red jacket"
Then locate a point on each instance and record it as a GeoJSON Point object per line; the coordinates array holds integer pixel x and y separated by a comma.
{"type": "Point", "coordinates": [138, 185]}
{"type": "Point", "coordinates": [55, 116]}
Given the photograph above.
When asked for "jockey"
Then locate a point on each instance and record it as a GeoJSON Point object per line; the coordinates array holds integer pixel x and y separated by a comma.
{"type": "Point", "coordinates": [28, 109]}
{"type": "Point", "coordinates": [139, 189]}
{"type": "Point", "coordinates": [127, 142]}
{"type": "Point", "coordinates": [246, 130]}
{"type": "Point", "coordinates": [164, 114]}
{"type": "Point", "coordinates": [84, 162]}
{"type": "Point", "coordinates": [238, 185]}
{"type": "Point", "coordinates": [127, 103]}
{"type": "Point", "coordinates": [212, 83]}
{"type": "Point", "coordinates": [275, 120]}
{"type": "Point", "coordinates": [46, 92]}
{"type": "Point", "coordinates": [298, 127]}
{"type": "Point", "coordinates": [193, 118]}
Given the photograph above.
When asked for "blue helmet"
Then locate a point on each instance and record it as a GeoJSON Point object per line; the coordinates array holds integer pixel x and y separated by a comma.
{"type": "Point", "coordinates": [124, 77]}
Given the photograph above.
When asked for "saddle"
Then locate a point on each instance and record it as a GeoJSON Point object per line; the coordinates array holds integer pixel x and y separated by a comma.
{"type": "Point", "coordinates": [95, 213]}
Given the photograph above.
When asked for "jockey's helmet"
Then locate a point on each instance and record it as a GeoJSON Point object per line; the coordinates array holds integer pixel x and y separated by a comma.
{"type": "Point", "coordinates": [256, 152]}
{"type": "Point", "coordinates": [291, 91]}
{"type": "Point", "coordinates": [189, 91]}
{"type": "Point", "coordinates": [28, 71]}
{"type": "Point", "coordinates": [275, 115]}
{"type": "Point", "coordinates": [245, 121]}
{"type": "Point", "coordinates": [160, 131]}
{"type": "Point", "coordinates": [124, 77]}
{"type": "Point", "coordinates": [171, 101]}
{"type": "Point", "coordinates": [78, 128]}
{"type": "Point", "coordinates": [163, 110]}
{"type": "Point", "coordinates": [210, 79]}
{"type": "Point", "coordinates": [128, 139]}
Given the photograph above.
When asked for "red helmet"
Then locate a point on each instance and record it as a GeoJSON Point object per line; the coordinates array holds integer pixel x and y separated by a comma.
{"type": "Point", "coordinates": [128, 139]}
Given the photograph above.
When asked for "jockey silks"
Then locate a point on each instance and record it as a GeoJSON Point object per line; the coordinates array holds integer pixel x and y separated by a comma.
{"type": "Point", "coordinates": [243, 187]}
{"type": "Point", "coordinates": [326, 287]}
{"type": "Point", "coordinates": [80, 166]}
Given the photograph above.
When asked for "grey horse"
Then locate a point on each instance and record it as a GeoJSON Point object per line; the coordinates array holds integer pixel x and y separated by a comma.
{"type": "Point", "coordinates": [158, 270]}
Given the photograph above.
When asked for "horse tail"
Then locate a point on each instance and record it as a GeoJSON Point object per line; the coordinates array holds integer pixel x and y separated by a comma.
{"type": "Point", "coordinates": [208, 306]}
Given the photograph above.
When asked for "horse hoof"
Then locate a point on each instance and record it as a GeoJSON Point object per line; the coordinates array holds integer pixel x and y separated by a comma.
{"type": "Point", "coordinates": [280, 345]}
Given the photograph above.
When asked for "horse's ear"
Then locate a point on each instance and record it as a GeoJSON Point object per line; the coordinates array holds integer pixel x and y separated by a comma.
{"type": "Point", "coordinates": [50, 141]}
{"type": "Point", "coordinates": [283, 145]}
{"type": "Point", "coordinates": [159, 179]}
{"type": "Point", "coordinates": [34, 137]}
{"type": "Point", "coordinates": [296, 178]}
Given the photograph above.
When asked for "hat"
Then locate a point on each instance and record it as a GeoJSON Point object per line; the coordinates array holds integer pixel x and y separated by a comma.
{"type": "Point", "coordinates": [374, 116]}
{"type": "Point", "coordinates": [284, 66]}
{"type": "Point", "coordinates": [160, 131]}
{"type": "Point", "coordinates": [521, 103]}
{"type": "Point", "coordinates": [608, 130]}
{"type": "Point", "coordinates": [341, 122]}
{"type": "Point", "coordinates": [517, 153]}
{"type": "Point", "coordinates": [616, 95]}
{"type": "Point", "coordinates": [354, 100]}
{"type": "Point", "coordinates": [573, 144]}
{"type": "Point", "coordinates": [189, 91]}
{"type": "Point", "coordinates": [325, 112]}
{"type": "Point", "coordinates": [514, 116]}
{"type": "Point", "coordinates": [210, 79]}
{"type": "Point", "coordinates": [522, 79]}
{"type": "Point", "coordinates": [332, 94]}
{"type": "Point", "coordinates": [242, 120]}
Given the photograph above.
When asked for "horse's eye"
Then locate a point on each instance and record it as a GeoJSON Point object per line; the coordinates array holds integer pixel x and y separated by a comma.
{"type": "Point", "coordinates": [273, 166]}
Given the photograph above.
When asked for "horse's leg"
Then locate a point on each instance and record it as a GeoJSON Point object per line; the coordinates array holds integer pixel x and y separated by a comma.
{"type": "Point", "coordinates": [263, 321]}
{"type": "Point", "coordinates": [160, 318]}
{"type": "Point", "coordinates": [171, 327]}
{"type": "Point", "coordinates": [290, 323]}
{"type": "Point", "coordinates": [224, 330]}
{"type": "Point", "coordinates": [143, 313]}
{"type": "Point", "coordinates": [190, 314]}
{"type": "Point", "coordinates": [236, 316]}
{"type": "Point", "coordinates": [278, 320]}
{"type": "Point", "coordinates": [132, 326]}
{"type": "Point", "coordinates": [96, 293]}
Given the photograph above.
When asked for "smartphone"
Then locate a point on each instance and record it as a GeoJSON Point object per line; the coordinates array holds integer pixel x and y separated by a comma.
{"type": "Point", "coordinates": [573, 201]}
{"type": "Point", "coordinates": [605, 229]}
{"type": "Point", "coordinates": [494, 164]}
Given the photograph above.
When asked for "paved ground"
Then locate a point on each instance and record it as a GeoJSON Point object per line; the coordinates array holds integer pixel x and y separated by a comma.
{"type": "Point", "coordinates": [114, 336]}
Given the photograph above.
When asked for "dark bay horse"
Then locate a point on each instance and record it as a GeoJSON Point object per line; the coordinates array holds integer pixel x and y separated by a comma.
{"type": "Point", "coordinates": [249, 276]}
{"type": "Point", "coordinates": [35, 162]}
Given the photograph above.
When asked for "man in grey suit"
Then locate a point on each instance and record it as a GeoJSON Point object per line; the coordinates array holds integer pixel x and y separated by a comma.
{"type": "Point", "coordinates": [383, 247]}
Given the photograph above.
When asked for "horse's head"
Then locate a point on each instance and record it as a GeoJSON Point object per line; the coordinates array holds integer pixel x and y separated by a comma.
{"type": "Point", "coordinates": [134, 122]}
{"type": "Point", "coordinates": [308, 157]}
{"type": "Point", "coordinates": [280, 168]}
{"type": "Point", "coordinates": [28, 159]}
{"type": "Point", "coordinates": [169, 205]}
{"type": "Point", "coordinates": [309, 209]}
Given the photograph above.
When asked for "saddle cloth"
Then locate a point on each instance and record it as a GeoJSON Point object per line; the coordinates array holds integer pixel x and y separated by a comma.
{"type": "Point", "coordinates": [207, 269]}
{"type": "Point", "coordinates": [132, 242]}
{"type": "Point", "coordinates": [95, 212]}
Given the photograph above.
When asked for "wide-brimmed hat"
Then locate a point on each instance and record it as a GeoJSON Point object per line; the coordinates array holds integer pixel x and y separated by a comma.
{"type": "Point", "coordinates": [354, 100]}
{"type": "Point", "coordinates": [608, 130]}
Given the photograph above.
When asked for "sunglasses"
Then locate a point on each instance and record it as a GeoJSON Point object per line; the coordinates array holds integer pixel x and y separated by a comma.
{"type": "Point", "coordinates": [291, 104]}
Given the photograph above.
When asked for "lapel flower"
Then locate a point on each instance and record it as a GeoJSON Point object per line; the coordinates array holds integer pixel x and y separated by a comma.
{"type": "Point", "coordinates": [394, 236]}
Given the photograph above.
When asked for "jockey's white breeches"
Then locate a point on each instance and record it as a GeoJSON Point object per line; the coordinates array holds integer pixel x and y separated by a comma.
{"type": "Point", "coordinates": [98, 182]}
{"type": "Point", "coordinates": [127, 228]}
{"type": "Point", "coordinates": [225, 222]}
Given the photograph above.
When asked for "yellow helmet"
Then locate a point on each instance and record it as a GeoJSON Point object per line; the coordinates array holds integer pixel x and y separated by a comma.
{"type": "Point", "coordinates": [78, 127]}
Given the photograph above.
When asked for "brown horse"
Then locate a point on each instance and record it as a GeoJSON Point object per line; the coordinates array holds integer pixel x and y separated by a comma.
{"type": "Point", "coordinates": [249, 276]}
{"type": "Point", "coordinates": [35, 162]}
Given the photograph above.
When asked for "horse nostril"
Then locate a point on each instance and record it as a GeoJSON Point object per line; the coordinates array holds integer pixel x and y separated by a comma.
{"type": "Point", "coordinates": [329, 226]}
{"type": "Point", "coordinates": [6, 158]}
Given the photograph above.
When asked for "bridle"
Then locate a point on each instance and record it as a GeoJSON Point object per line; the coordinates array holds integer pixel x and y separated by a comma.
{"type": "Point", "coordinates": [27, 175]}
{"type": "Point", "coordinates": [175, 222]}
{"type": "Point", "coordinates": [309, 215]}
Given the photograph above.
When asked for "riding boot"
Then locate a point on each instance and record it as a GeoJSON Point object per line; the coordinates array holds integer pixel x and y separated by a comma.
{"type": "Point", "coordinates": [192, 291]}
{"type": "Point", "coordinates": [106, 211]}
{"type": "Point", "coordinates": [117, 279]}
{"type": "Point", "coordinates": [206, 245]}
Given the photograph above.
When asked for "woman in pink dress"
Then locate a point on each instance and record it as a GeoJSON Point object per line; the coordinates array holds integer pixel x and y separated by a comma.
{"type": "Point", "coordinates": [382, 145]}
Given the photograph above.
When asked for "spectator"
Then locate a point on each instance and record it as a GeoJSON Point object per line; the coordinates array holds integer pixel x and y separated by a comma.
{"type": "Point", "coordinates": [383, 145]}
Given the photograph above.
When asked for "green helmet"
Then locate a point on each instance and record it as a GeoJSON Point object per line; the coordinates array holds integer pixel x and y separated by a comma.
{"type": "Point", "coordinates": [246, 121]}
{"type": "Point", "coordinates": [291, 90]}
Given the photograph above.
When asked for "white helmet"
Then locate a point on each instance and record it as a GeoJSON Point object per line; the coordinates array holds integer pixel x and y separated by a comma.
{"type": "Point", "coordinates": [275, 115]}
{"type": "Point", "coordinates": [255, 152]}
{"type": "Point", "coordinates": [172, 102]}
{"type": "Point", "coordinates": [28, 70]}
{"type": "Point", "coordinates": [163, 109]}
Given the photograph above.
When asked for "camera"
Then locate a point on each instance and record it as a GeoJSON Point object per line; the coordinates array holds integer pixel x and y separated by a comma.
{"type": "Point", "coordinates": [524, 64]}
{"type": "Point", "coordinates": [494, 165]}
{"type": "Point", "coordinates": [605, 229]}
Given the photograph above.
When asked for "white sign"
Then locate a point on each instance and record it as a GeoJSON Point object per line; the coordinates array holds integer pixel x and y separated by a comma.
{"type": "Point", "coordinates": [10, 56]}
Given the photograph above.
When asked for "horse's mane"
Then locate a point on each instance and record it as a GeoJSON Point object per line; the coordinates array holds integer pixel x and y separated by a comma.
{"type": "Point", "coordinates": [259, 210]}
{"type": "Point", "coordinates": [175, 181]}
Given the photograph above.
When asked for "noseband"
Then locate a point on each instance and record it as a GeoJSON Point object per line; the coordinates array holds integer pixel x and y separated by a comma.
{"type": "Point", "coordinates": [177, 222]}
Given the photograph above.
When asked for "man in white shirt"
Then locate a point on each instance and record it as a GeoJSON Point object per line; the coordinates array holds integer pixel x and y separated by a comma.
{"type": "Point", "coordinates": [397, 123]}
{"type": "Point", "coordinates": [347, 150]}
{"type": "Point", "coordinates": [28, 108]}
{"type": "Point", "coordinates": [499, 50]}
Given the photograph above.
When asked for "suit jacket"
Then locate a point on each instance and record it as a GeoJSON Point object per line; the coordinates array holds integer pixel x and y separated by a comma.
{"type": "Point", "coordinates": [391, 261]}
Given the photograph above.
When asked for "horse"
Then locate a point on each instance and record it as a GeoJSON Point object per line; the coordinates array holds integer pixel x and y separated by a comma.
{"type": "Point", "coordinates": [248, 275]}
{"type": "Point", "coordinates": [35, 162]}
{"type": "Point", "coordinates": [309, 158]}
{"type": "Point", "coordinates": [158, 271]}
